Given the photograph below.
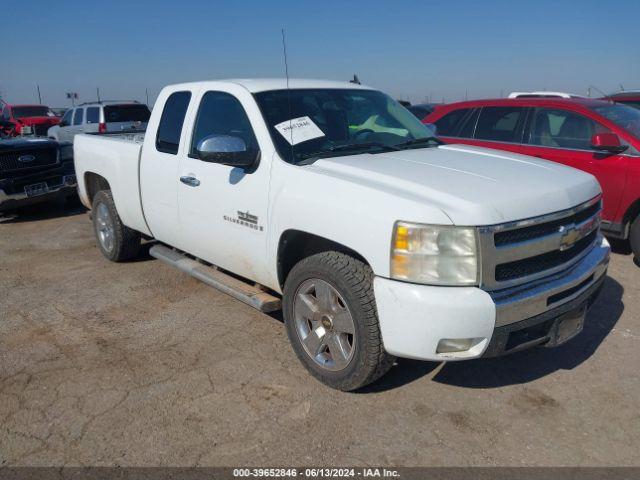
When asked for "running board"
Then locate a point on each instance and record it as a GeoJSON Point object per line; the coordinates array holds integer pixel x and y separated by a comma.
{"type": "Point", "coordinates": [250, 294]}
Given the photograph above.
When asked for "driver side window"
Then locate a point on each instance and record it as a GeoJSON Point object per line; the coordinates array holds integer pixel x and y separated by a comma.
{"type": "Point", "coordinates": [221, 113]}
{"type": "Point", "coordinates": [66, 119]}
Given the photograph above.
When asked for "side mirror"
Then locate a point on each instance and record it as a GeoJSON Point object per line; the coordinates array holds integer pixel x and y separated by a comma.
{"type": "Point", "coordinates": [227, 150]}
{"type": "Point", "coordinates": [433, 127]}
{"type": "Point", "coordinates": [607, 142]}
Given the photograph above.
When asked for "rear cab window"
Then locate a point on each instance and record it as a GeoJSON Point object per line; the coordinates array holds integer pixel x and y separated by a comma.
{"type": "Point", "coordinates": [126, 113]}
{"type": "Point", "coordinates": [171, 122]}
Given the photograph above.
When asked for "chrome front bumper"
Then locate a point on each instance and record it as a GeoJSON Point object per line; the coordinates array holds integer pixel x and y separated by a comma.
{"type": "Point", "coordinates": [67, 186]}
{"type": "Point", "coordinates": [532, 299]}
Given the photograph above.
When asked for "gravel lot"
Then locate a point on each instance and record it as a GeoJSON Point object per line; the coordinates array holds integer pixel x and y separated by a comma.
{"type": "Point", "coordinates": [137, 364]}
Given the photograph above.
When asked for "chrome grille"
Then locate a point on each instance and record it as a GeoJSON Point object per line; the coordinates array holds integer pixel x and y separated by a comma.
{"type": "Point", "coordinates": [523, 251]}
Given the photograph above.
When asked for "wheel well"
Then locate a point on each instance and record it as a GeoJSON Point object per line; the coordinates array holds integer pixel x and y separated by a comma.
{"type": "Point", "coordinates": [632, 212]}
{"type": "Point", "coordinates": [295, 245]}
{"type": "Point", "coordinates": [94, 183]}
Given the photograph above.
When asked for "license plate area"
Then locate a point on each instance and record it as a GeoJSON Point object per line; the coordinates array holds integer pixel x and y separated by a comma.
{"type": "Point", "coordinates": [36, 189]}
{"type": "Point", "coordinates": [567, 326]}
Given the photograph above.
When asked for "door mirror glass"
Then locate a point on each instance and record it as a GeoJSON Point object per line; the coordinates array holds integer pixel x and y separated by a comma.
{"type": "Point", "coordinates": [607, 142]}
{"type": "Point", "coordinates": [227, 150]}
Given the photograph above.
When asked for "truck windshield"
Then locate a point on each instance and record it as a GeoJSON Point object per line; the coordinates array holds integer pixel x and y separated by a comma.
{"type": "Point", "coordinates": [622, 115]}
{"type": "Point", "coordinates": [312, 123]}
{"type": "Point", "coordinates": [126, 113]}
{"type": "Point", "coordinates": [35, 111]}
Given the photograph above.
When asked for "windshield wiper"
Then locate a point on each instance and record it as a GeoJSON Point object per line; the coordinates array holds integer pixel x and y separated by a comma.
{"type": "Point", "coordinates": [419, 141]}
{"type": "Point", "coordinates": [349, 147]}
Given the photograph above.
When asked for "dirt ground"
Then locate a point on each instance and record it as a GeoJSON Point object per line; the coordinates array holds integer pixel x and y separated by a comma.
{"type": "Point", "coordinates": [137, 364]}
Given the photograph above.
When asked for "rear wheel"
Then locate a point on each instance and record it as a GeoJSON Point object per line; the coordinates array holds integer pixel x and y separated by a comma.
{"type": "Point", "coordinates": [116, 241]}
{"type": "Point", "coordinates": [634, 238]}
{"type": "Point", "coordinates": [332, 323]}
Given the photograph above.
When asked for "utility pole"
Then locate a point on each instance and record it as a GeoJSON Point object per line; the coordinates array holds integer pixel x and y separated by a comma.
{"type": "Point", "coordinates": [146, 92]}
{"type": "Point", "coordinates": [39, 96]}
{"type": "Point", "coordinates": [98, 93]}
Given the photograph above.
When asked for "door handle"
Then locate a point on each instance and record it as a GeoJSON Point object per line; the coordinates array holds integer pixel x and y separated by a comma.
{"type": "Point", "coordinates": [189, 180]}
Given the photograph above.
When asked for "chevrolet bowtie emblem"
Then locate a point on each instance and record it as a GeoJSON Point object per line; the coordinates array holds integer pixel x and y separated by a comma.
{"type": "Point", "coordinates": [571, 234]}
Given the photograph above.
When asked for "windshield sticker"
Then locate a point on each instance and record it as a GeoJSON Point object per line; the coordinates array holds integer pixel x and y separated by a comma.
{"type": "Point", "coordinates": [298, 130]}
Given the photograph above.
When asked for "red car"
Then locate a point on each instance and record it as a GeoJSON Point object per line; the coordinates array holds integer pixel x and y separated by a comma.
{"type": "Point", "coordinates": [597, 136]}
{"type": "Point", "coordinates": [38, 117]}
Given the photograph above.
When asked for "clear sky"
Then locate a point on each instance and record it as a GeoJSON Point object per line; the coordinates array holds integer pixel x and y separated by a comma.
{"type": "Point", "coordinates": [411, 49]}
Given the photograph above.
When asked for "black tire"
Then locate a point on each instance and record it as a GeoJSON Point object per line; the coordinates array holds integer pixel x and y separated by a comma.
{"type": "Point", "coordinates": [126, 242]}
{"type": "Point", "coordinates": [634, 238]}
{"type": "Point", "coordinates": [353, 280]}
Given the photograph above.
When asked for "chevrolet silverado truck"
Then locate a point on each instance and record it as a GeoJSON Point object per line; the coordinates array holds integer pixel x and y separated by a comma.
{"type": "Point", "coordinates": [333, 202]}
{"type": "Point", "coordinates": [34, 170]}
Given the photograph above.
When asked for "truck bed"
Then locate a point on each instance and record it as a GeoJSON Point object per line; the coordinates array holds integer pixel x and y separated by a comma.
{"type": "Point", "coordinates": [116, 158]}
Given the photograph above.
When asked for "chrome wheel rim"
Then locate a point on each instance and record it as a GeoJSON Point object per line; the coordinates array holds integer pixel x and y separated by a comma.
{"type": "Point", "coordinates": [324, 324]}
{"type": "Point", "coordinates": [105, 229]}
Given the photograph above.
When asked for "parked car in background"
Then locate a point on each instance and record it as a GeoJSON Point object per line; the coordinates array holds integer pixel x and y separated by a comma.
{"type": "Point", "coordinates": [101, 117]}
{"type": "Point", "coordinates": [34, 170]}
{"type": "Point", "coordinates": [597, 136]}
{"type": "Point", "coordinates": [59, 112]}
{"type": "Point", "coordinates": [628, 97]}
{"type": "Point", "coordinates": [421, 110]}
{"type": "Point", "coordinates": [543, 94]}
{"type": "Point", "coordinates": [29, 119]}
{"type": "Point", "coordinates": [382, 241]}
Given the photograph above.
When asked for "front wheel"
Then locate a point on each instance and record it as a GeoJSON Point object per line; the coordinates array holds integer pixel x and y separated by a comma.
{"type": "Point", "coordinates": [116, 241]}
{"type": "Point", "coordinates": [332, 323]}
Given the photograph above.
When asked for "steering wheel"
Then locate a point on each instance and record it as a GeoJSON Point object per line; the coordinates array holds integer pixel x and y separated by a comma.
{"type": "Point", "coordinates": [364, 131]}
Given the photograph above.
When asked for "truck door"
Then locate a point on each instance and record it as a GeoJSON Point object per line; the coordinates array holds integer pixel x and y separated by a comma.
{"type": "Point", "coordinates": [159, 168]}
{"type": "Point", "coordinates": [223, 209]}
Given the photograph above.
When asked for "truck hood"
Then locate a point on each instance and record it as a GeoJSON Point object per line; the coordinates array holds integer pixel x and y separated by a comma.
{"type": "Point", "coordinates": [24, 143]}
{"type": "Point", "coordinates": [471, 185]}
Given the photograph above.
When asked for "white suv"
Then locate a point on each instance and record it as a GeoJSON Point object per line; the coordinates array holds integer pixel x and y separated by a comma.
{"type": "Point", "coordinates": [101, 117]}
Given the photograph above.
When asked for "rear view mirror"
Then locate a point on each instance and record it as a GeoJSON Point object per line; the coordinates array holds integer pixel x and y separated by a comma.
{"type": "Point", "coordinates": [607, 142]}
{"type": "Point", "coordinates": [227, 150]}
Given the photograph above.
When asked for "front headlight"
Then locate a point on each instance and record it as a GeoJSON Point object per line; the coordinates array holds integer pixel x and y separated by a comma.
{"type": "Point", "coordinates": [434, 254]}
{"type": "Point", "coordinates": [65, 153]}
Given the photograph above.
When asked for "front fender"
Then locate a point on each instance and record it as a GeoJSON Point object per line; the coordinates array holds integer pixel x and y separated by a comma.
{"type": "Point", "coordinates": [360, 217]}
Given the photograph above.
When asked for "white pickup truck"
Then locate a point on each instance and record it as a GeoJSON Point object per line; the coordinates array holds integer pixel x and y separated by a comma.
{"type": "Point", "coordinates": [331, 198]}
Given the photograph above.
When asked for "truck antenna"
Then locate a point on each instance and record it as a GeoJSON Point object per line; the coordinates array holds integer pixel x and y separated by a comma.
{"type": "Point", "coordinates": [286, 74]}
